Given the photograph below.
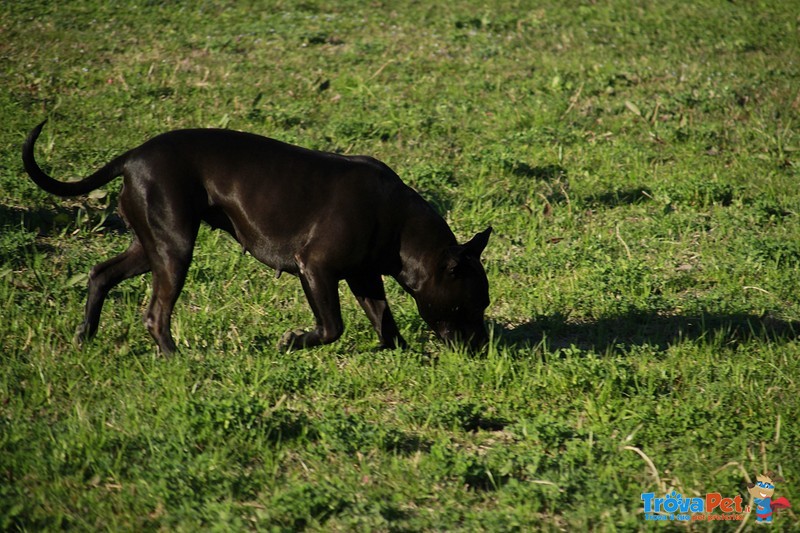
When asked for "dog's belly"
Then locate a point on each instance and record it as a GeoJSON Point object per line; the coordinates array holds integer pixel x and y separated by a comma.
{"type": "Point", "coordinates": [273, 252]}
{"type": "Point", "coordinates": [274, 256]}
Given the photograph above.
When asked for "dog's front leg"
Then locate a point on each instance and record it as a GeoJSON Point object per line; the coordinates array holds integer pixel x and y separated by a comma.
{"type": "Point", "coordinates": [322, 292]}
{"type": "Point", "coordinates": [368, 290]}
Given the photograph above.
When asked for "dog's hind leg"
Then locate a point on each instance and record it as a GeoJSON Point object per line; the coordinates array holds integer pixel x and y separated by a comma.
{"type": "Point", "coordinates": [174, 254]}
{"type": "Point", "coordinates": [166, 224]}
{"type": "Point", "coordinates": [105, 276]}
{"type": "Point", "coordinates": [369, 291]}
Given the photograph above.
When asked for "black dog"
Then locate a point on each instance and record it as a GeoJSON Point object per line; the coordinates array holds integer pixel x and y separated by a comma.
{"type": "Point", "coordinates": [321, 216]}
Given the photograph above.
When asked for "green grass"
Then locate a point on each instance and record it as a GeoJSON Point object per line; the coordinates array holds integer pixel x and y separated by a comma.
{"type": "Point", "coordinates": [639, 162]}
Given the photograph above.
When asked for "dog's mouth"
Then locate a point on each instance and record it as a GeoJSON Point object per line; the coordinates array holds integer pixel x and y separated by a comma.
{"type": "Point", "coordinates": [475, 340]}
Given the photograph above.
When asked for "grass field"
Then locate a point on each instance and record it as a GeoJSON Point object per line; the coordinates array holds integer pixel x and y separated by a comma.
{"type": "Point", "coordinates": [639, 162]}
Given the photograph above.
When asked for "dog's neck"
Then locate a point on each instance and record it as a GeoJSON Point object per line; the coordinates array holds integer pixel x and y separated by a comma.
{"type": "Point", "coordinates": [423, 242]}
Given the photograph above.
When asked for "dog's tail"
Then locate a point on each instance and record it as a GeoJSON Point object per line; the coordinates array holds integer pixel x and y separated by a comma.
{"type": "Point", "coordinates": [63, 188]}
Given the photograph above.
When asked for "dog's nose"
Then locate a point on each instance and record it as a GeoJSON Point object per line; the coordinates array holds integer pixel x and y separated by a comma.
{"type": "Point", "coordinates": [479, 341]}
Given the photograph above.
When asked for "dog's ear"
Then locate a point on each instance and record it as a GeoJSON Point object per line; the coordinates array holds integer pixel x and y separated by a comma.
{"type": "Point", "coordinates": [473, 248]}
{"type": "Point", "coordinates": [476, 245]}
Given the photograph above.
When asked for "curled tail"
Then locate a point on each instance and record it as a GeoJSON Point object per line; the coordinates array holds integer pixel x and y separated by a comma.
{"type": "Point", "coordinates": [62, 188]}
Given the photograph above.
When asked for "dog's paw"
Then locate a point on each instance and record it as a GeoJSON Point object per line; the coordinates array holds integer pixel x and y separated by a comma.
{"type": "Point", "coordinates": [291, 340]}
{"type": "Point", "coordinates": [82, 335]}
{"type": "Point", "coordinates": [392, 343]}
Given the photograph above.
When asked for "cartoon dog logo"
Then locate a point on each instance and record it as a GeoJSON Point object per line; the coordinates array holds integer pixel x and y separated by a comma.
{"type": "Point", "coordinates": [762, 492]}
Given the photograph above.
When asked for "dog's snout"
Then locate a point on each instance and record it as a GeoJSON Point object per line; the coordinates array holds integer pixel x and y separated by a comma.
{"type": "Point", "coordinates": [475, 337]}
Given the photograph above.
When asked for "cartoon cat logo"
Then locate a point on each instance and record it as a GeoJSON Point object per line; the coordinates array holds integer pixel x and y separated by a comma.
{"type": "Point", "coordinates": [762, 492]}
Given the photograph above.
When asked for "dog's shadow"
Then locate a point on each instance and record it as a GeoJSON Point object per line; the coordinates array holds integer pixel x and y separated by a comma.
{"type": "Point", "coordinates": [48, 221]}
{"type": "Point", "coordinates": [626, 331]}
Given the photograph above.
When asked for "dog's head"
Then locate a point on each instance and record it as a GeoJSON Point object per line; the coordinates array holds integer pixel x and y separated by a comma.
{"type": "Point", "coordinates": [455, 297]}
